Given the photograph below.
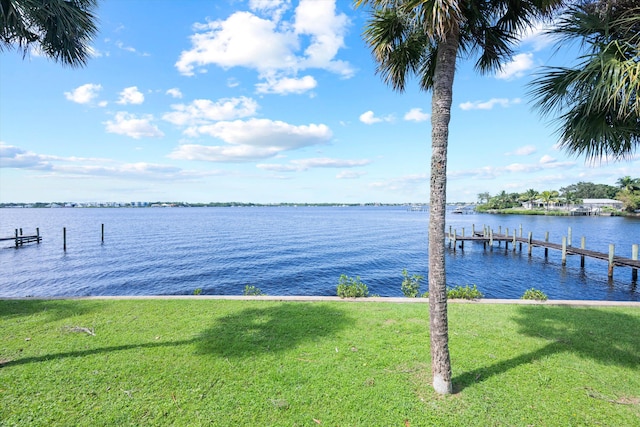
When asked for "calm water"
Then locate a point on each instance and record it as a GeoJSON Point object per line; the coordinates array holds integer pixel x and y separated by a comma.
{"type": "Point", "coordinates": [293, 251]}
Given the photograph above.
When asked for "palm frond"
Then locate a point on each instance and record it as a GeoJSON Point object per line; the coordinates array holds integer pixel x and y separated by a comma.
{"type": "Point", "coordinates": [62, 29]}
{"type": "Point", "coordinates": [397, 45]}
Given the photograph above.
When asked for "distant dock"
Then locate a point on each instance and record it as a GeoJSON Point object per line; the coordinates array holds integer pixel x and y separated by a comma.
{"type": "Point", "coordinates": [21, 240]}
{"type": "Point", "coordinates": [488, 236]}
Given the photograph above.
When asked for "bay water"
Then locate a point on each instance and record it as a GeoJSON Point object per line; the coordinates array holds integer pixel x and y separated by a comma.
{"type": "Point", "coordinates": [295, 251]}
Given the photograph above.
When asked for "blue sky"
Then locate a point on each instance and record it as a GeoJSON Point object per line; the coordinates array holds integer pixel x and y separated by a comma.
{"type": "Point", "coordinates": [263, 101]}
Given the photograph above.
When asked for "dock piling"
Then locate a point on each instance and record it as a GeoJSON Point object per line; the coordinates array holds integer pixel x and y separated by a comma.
{"type": "Point", "coordinates": [488, 237]}
{"type": "Point", "coordinates": [611, 255]}
{"type": "Point", "coordinates": [64, 239]}
{"type": "Point", "coordinates": [634, 256]}
{"type": "Point", "coordinates": [569, 237]}
{"type": "Point", "coordinates": [546, 249]}
{"type": "Point", "coordinates": [102, 233]}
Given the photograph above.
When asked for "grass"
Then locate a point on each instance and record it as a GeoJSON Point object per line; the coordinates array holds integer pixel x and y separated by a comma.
{"type": "Point", "coordinates": [220, 362]}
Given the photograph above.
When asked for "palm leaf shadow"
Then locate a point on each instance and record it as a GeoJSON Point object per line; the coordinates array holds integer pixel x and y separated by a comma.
{"type": "Point", "coordinates": [606, 336]}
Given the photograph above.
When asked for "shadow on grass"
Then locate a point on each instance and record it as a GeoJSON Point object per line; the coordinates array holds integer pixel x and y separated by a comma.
{"type": "Point", "coordinates": [271, 329]}
{"type": "Point", "coordinates": [606, 336]}
{"type": "Point", "coordinates": [53, 309]}
{"type": "Point", "coordinates": [242, 334]}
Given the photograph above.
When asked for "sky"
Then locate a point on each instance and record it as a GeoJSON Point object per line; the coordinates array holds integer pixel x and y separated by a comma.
{"type": "Point", "coordinates": [265, 101]}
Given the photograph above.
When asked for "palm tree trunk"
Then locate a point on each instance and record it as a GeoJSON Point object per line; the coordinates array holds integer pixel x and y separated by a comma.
{"type": "Point", "coordinates": [441, 113]}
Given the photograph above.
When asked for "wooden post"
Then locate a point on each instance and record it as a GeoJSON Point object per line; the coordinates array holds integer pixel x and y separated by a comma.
{"type": "Point", "coordinates": [583, 245]}
{"type": "Point", "coordinates": [499, 229]}
{"type": "Point", "coordinates": [491, 239]}
{"type": "Point", "coordinates": [462, 241]}
{"type": "Point", "coordinates": [634, 256]}
{"type": "Point", "coordinates": [611, 255]}
{"type": "Point", "coordinates": [449, 232]}
{"type": "Point", "coordinates": [546, 239]}
{"type": "Point", "coordinates": [21, 232]}
{"type": "Point", "coordinates": [514, 240]}
{"type": "Point", "coordinates": [530, 240]}
{"type": "Point", "coordinates": [38, 235]}
{"type": "Point", "coordinates": [564, 250]}
{"type": "Point", "coordinates": [454, 240]}
{"type": "Point", "coordinates": [520, 230]}
{"type": "Point", "coordinates": [64, 239]}
{"type": "Point", "coordinates": [102, 233]}
{"type": "Point", "coordinates": [569, 236]}
{"type": "Point", "coordinates": [473, 229]}
{"type": "Point", "coordinates": [16, 238]}
{"type": "Point", "coordinates": [462, 231]}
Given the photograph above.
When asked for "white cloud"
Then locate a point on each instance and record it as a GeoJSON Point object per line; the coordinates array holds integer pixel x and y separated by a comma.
{"type": "Point", "coordinates": [265, 132]}
{"type": "Point", "coordinates": [231, 153]}
{"type": "Point", "coordinates": [131, 95]}
{"type": "Point", "coordinates": [416, 183]}
{"type": "Point", "coordinates": [537, 36]}
{"type": "Point", "coordinates": [251, 140]}
{"type": "Point", "coordinates": [370, 118]}
{"type": "Point", "coordinates": [517, 67]}
{"type": "Point", "coordinates": [15, 157]}
{"type": "Point", "coordinates": [416, 115]}
{"type": "Point", "coordinates": [306, 164]}
{"type": "Point", "coordinates": [174, 92]}
{"type": "Point", "coordinates": [275, 48]}
{"type": "Point", "coordinates": [287, 85]}
{"type": "Point", "coordinates": [244, 40]}
{"type": "Point", "coordinates": [318, 20]}
{"type": "Point", "coordinates": [122, 46]}
{"type": "Point", "coordinates": [488, 105]}
{"type": "Point", "coordinates": [84, 94]}
{"type": "Point", "coordinates": [492, 172]}
{"type": "Point", "coordinates": [130, 125]}
{"type": "Point", "coordinates": [350, 174]}
{"type": "Point", "coordinates": [522, 151]}
{"type": "Point", "coordinates": [546, 159]}
{"type": "Point", "coordinates": [204, 111]}
{"type": "Point", "coordinates": [273, 8]}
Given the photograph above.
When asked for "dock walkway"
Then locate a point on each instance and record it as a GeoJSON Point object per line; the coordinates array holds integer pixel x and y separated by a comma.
{"type": "Point", "coordinates": [487, 237]}
{"type": "Point", "coordinates": [21, 239]}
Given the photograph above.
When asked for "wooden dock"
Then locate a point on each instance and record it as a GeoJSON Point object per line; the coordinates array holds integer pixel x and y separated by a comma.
{"type": "Point", "coordinates": [487, 237]}
{"type": "Point", "coordinates": [21, 240]}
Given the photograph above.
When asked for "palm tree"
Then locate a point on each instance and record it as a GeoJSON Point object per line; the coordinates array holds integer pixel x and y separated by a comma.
{"type": "Point", "coordinates": [424, 38]}
{"type": "Point", "coordinates": [529, 196]}
{"type": "Point", "coordinates": [597, 102]}
{"type": "Point", "coordinates": [484, 197]}
{"type": "Point", "coordinates": [548, 197]}
{"type": "Point", "coordinates": [60, 29]}
{"type": "Point", "coordinates": [628, 183]}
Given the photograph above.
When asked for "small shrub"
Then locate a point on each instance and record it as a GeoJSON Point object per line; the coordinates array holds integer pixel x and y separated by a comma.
{"type": "Point", "coordinates": [466, 292]}
{"type": "Point", "coordinates": [425, 295]}
{"type": "Point", "coordinates": [348, 287]}
{"type": "Point", "coordinates": [410, 285]}
{"type": "Point", "coordinates": [197, 291]}
{"type": "Point", "coordinates": [535, 294]}
{"type": "Point", "coordinates": [252, 291]}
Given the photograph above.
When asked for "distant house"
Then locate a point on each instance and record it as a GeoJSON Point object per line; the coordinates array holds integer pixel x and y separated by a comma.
{"type": "Point", "coordinates": [541, 204]}
{"type": "Point", "coordinates": [598, 204]}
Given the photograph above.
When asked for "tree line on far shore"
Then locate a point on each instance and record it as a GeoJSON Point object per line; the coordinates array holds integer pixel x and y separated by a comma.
{"type": "Point", "coordinates": [627, 191]}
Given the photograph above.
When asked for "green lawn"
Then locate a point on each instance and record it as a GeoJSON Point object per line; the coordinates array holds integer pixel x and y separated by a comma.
{"type": "Point", "coordinates": [259, 363]}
